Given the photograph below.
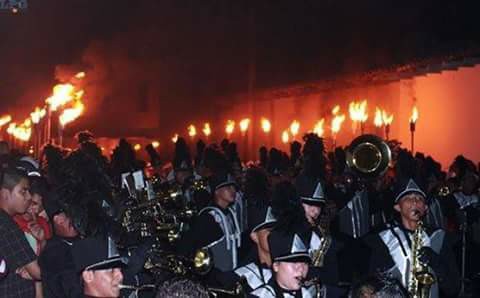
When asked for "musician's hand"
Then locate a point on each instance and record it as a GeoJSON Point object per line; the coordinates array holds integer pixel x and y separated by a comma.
{"type": "Point", "coordinates": [429, 257]}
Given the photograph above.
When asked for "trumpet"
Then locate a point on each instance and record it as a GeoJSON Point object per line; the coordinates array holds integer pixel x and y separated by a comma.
{"type": "Point", "coordinates": [200, 264]}
{"type": "Point", "coordinates": [238, 290]}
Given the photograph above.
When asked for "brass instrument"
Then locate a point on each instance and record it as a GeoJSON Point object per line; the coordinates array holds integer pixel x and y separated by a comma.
{"type": "Point", "coordinates": [318, 255]}
{"type": "Point", "coordinates": [237, 291]}
{"type": "Point", "coordinates": [317, 283]}
{"type": "Point", "coordinates": [368, 156]}
{"type": "Point", "coordinates": [421, 279]}
{"type": "Point", "coordinates": [200, 264]}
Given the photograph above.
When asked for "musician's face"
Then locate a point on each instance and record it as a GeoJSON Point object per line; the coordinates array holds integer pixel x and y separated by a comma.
{"type": "Point", "coordinates": [226, 193]}
{"type": "Point", "coordinates": [411, 207]}
{"type": "Point", "coordinates": [290, 275]}
{"type": "Point", "coordinates": [312, 212]}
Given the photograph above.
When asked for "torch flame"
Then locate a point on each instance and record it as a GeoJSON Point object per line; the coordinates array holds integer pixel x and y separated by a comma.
{"type": "Point", "coordinates": [62, 94]}
{"type": "Point", "coordinates": [244, 123]}
{"type": "Point", "coordinates": [337, 123]}
{"type": "Point", "coordinates": [5, 119]}
{"type": "Point", "coordinates": [192, 131]}
{"type": "Point", "coordinates": [387, 119]}
{"type": "Point", "coordinates": [358, 111]}
{"type": "Point", "coordinates": [414, 117]}
{"type": "Point", "coordinates": [285, 137]}
{"type": "Point", "coordinates": [266, 125]}
{"type": "Point", "coordinates": [378, 121]}
{"type": "Point", "coordinates": [318, 129]}
{"type": "Point", "coordinates": [207, 130]}
{"type": "Point", "coordinates": [22, 132]}
{"type": "Point", "coordinates": [229, 127]}
{"type": "Point", "coordinates": [137, 147]}
{"type": "Point", "coordinates": [80, 75]}
{"type": "Point", "coordinates": [155, 144]}
{"type": "Point", "coordinates": [335, 110]}
{"type": "Point", "coordinates": [37, 115]}
{"type": "Point", "coordinates": [175, 138]}
{"type": "Point", "coordinates": [70, 114]}
{"type": "Point", "coordinates": [294, 127]}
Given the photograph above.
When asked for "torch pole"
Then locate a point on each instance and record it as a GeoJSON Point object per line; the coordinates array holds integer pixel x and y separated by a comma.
{"type": "Point", "coordinates": [387, 132]}
{"type": "Point", "coordinates": [60, 134]}
{"type": "Point", "coordinates": [412, 136]}
{"type": "Point", "coordinates": [49, 126]}
{"type": "Point", "coordinates": [362, 127]}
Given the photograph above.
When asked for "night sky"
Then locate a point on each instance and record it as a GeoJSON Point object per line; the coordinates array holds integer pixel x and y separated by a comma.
{"type": "Point", "coordinates": [198, 49]}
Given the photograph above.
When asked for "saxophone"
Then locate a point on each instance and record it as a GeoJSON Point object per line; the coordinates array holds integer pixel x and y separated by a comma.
{"type": "Point", "coordinates": [420, 278]}
{"type": "Point", "coordinates": [318, 255]}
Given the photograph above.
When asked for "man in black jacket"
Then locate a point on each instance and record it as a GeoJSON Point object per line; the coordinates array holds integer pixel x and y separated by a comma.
{"type": "Point", "coordinates": [391, 249]}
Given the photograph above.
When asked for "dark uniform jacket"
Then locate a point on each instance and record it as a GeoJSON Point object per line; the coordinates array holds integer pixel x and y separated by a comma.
{"type": "Point", "coordinates": [59, 278]}
{"type": "Point", "coordinates": [389, 251]}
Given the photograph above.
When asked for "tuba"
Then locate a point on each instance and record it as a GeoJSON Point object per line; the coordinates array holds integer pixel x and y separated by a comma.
{"type": "Point", "coordinates": [368, 156]}
{"type": "Point", "coordinates": [421, 279]}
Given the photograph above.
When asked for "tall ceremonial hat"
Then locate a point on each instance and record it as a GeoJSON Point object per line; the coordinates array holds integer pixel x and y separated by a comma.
{"type": "Point", "coordinates": [287, 247]}
{"type": "Point", "coordinates": [220, 180]}
{"type": "Point", "coordinates": [96, 254]}
{"type": "Point", "coordinates": [261, 218]}
{"type": "Point", "coordinates": [310, 190]}
{"type": "Point", "coordinates": [405, 187]}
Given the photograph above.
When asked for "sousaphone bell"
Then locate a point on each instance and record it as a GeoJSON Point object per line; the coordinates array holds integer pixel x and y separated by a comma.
{"type": "Point", "coordinates": [368, 156]}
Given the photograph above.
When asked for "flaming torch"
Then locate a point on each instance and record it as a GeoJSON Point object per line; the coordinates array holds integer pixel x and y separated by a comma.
{"type": "Point", "coordinates": [5, 119]}
{"type": "Point", "coordinates": [36, 116]}
{"type": "Point", "coordinates": [294, 128]}
{"type": "Point", "coordinates": [318, 129]}
{"type": "Point", "coordinates": [413, 122]}
{"type": "Point", "coordinates": [387, 120]}
{"type": "Point", "coordinates": [244, 123]}
{"type": "Point", "coordinates": [175, 138]}
{"type": "Point", "coordinates": [192, 132]}
{"type": "Point", "coordinates": [358, 114]}
{"type": "Point", "coordinates": [378, 121]}
{"type": "Point", "coordinates": [285, 137]}
{"type": "Point", "coordinates": [229, 128]}
{"type": "Point", "coordinates": [69, 115]}
{"type": "Point", "coordinates": [266, 128]}
{"type": "Point", "coordinates": [335, 127]}
{"type": "Point", "coordinates": [207, 131]}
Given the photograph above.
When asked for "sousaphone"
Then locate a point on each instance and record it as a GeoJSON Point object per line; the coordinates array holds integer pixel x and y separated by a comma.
{"type": "Point", "coordinates": [368, 156]}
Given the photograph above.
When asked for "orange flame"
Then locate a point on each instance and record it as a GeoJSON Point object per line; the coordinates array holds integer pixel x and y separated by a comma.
{"type": "Point", "coordinates": [229, 127]}
{"type": "Point", "coordinates": [70, 114]}
{"type": "Point", "coordinates": [387, 119]}
{"type": "Point", "coordinates": [80, 75]}
{"type": "Point", "coordinates": [206, 129]}
{"type": "Point", "coordinates": [155, 144]}
{"type": "Point", "coordinates": [244, 123]}
{"type": "Point", "coordinates": [378, 121]}
{"type": "Point", "coordinates": [266, 125]}
{"type": "Point", "coordinates": [37, 115]}
{"type": "Point", "coordinates": [62, 94]}
{"type": "Point", "coordinates": [285, 137]}
{"type": "Point", "coordinates": [22, 132]}
{"type": "Point", "coordinates": [358, 111]}
{"type": "Point", "coordinates": [337, 123]}
{"type": "Point", "coordinates": [5, 119]}
{"type": "Point", "coordinates": [137, 147]}
{"type": "Point", "coordinates": [175, 138]}
{"type": "Point", "coordinates": [335, 110]}
{"type": "Point", "coordinates": [414, 116]}
{"type": "Point", "coordinates": [294, 127]}
{"type": "Point", "coordinates": [318, 129]}
{"type": "Point", "coordinates": [192, 131]}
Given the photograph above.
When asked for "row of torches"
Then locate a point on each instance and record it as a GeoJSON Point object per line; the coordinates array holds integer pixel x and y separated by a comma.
{"type": "Point", "coordinates": [66, 99]}
{"type": "Point", "coordinates": [69, 98]}
{"type": "Point", "coordinates": [357, 111]}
